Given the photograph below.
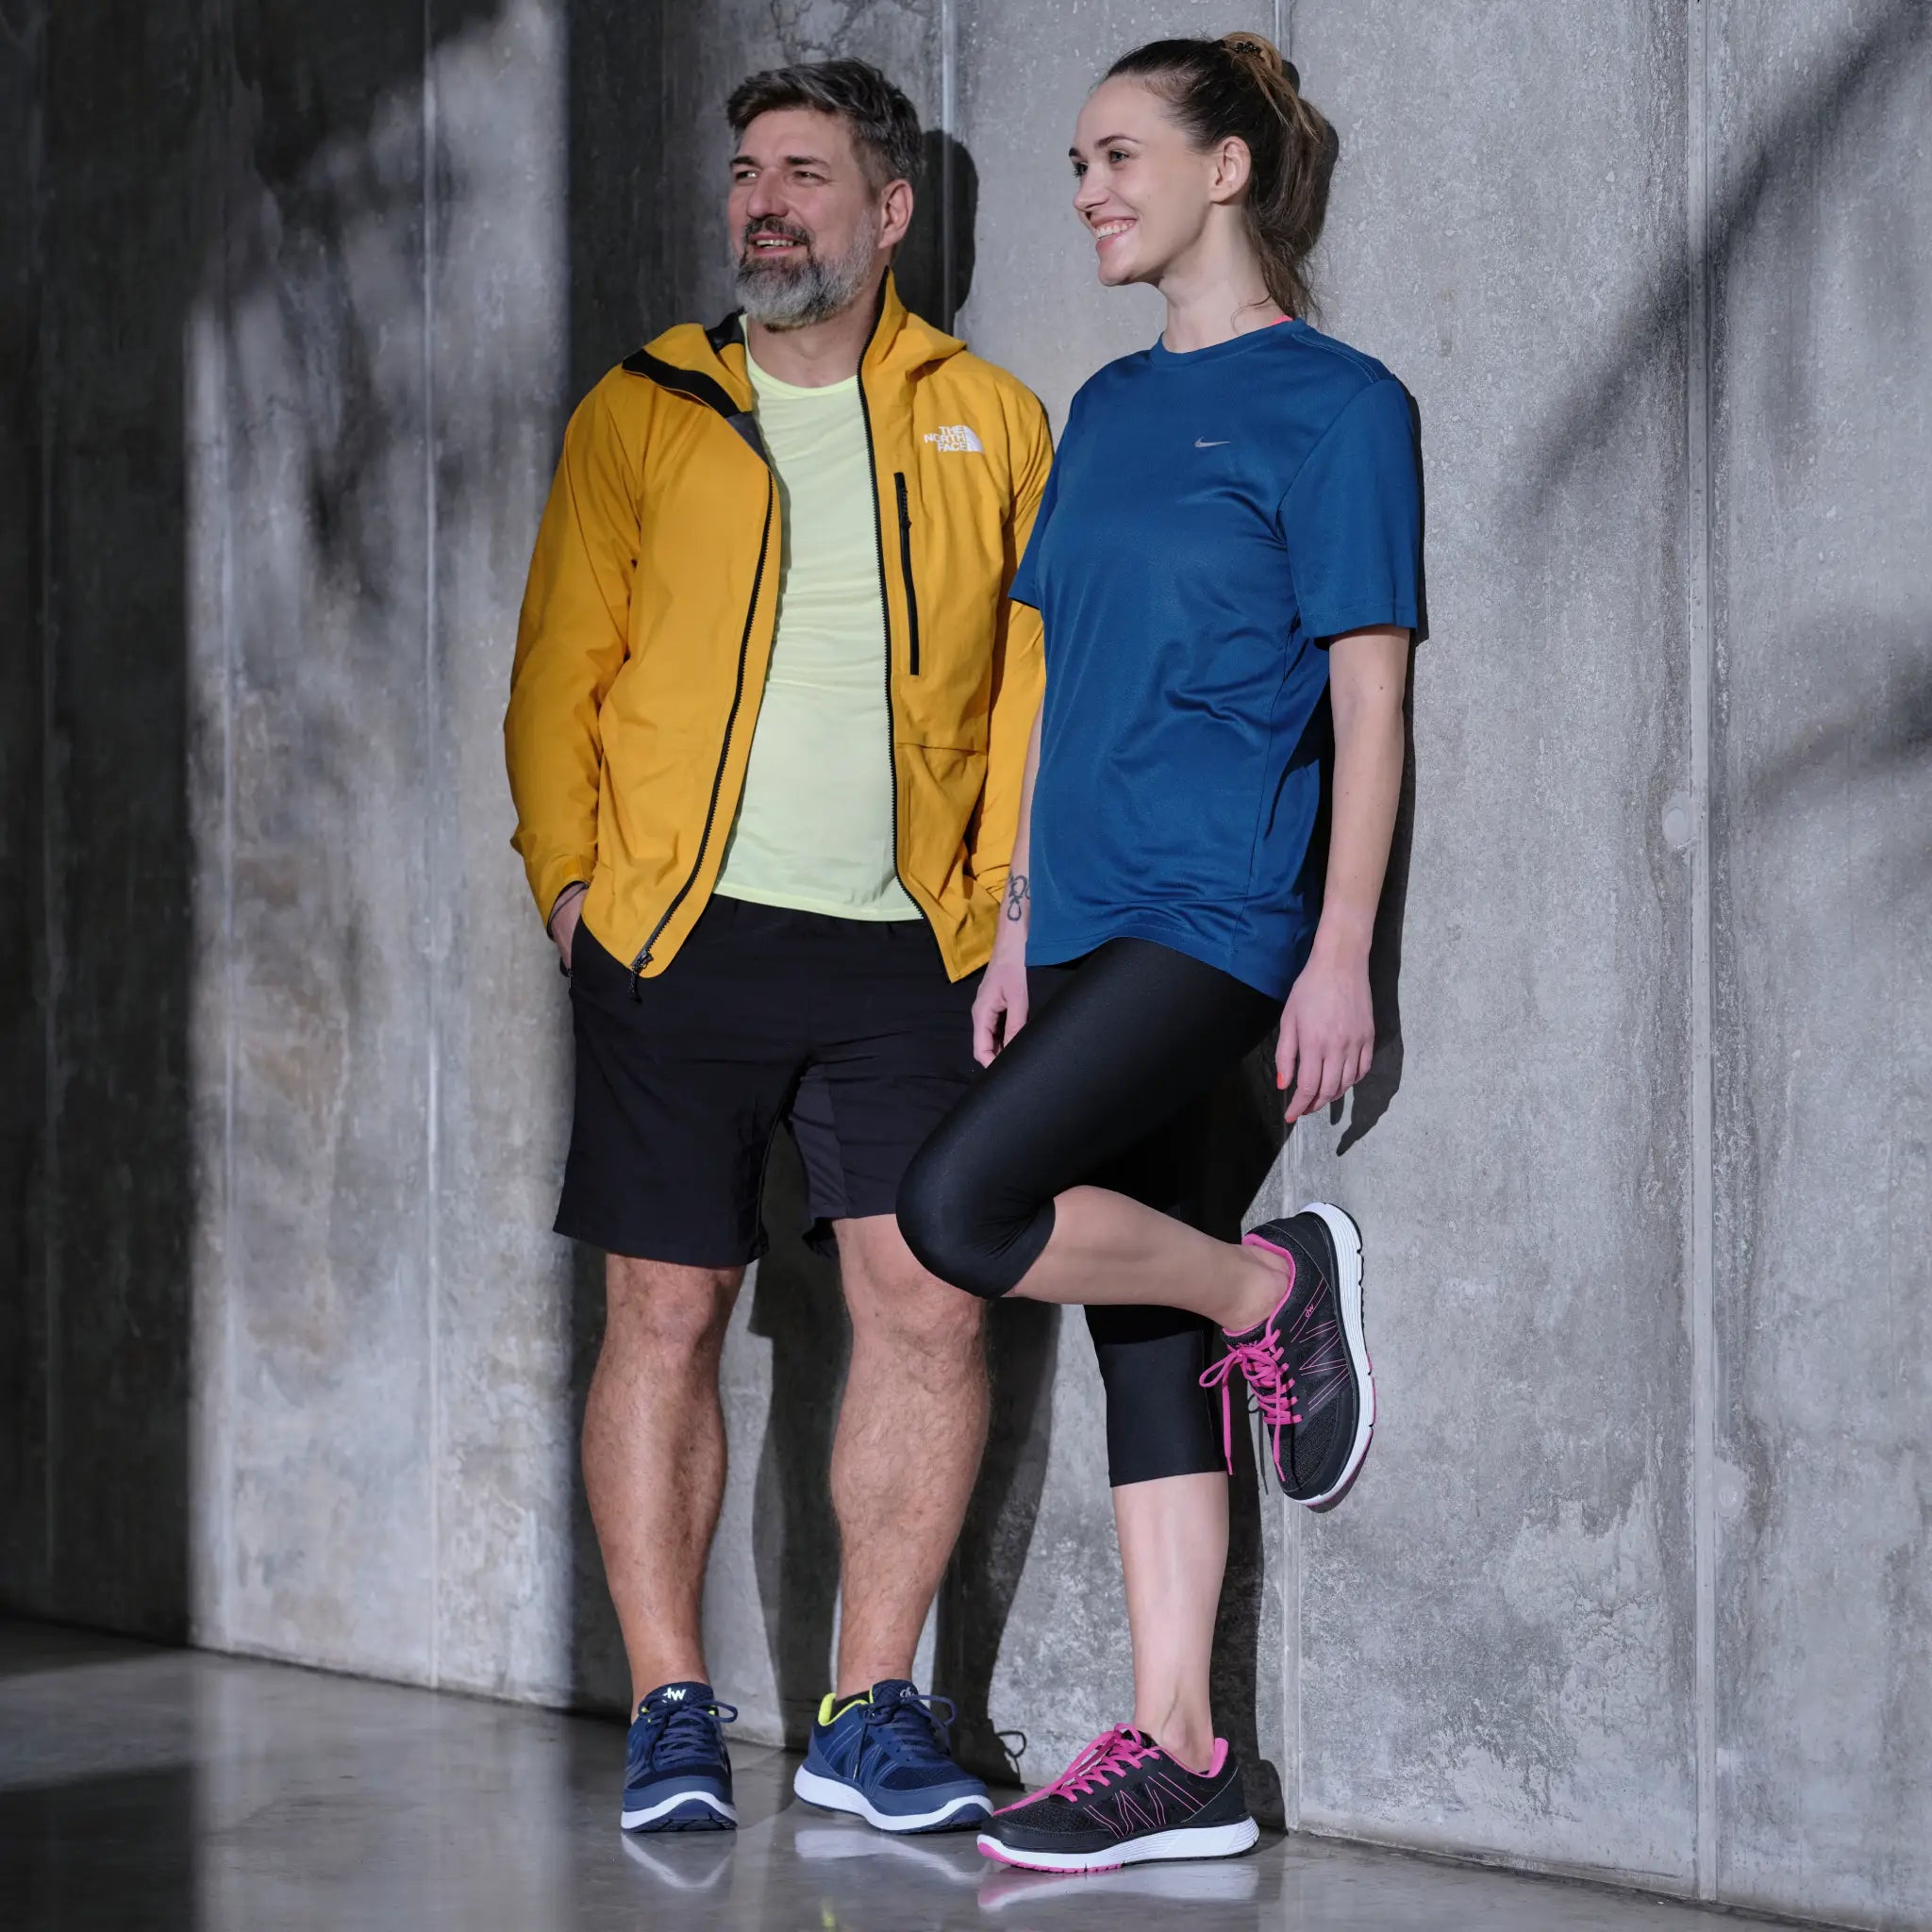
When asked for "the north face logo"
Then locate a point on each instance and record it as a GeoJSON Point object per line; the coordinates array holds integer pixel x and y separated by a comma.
{"type": "Point", "coordinates": [956, 437]}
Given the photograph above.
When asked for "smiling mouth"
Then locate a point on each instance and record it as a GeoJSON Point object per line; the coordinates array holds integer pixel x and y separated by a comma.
{"type": "Point", "coordinates": [1109, 231]}
{"type": "Point", "coordinates": [766, 243]}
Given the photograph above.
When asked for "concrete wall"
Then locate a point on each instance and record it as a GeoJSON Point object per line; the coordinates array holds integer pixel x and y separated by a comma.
{"type": "Point", "coordinates": [291, 304]}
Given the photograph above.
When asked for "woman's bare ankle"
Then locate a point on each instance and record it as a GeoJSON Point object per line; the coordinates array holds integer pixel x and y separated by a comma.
{"type": "Point", "coordinates": [1190, 1742]}
{"type": "Point", "coordinates": [1264, 1282]}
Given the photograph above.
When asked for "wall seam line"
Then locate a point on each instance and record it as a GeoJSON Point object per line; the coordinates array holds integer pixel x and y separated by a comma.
{"type": "Point", "coordinates": [225, 1545]}
{"type": "Point", "coordinates": [1703, 1178]}
{"type": "Point", "coordinates": [948, 116]}
{"type": "Point", "coordinates": [50, 1138]}
{"type": "Point", "coordinates": [432, 698]}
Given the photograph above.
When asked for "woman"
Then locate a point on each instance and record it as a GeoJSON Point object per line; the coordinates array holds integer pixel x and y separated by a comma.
{"type": "Point", "coordinates": [1227, 556]}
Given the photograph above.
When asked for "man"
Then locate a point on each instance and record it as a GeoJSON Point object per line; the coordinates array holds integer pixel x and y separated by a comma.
{"type": "Point", "coordinates": [766, 734]}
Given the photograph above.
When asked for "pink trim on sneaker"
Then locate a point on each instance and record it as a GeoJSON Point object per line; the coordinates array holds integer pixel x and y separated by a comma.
{"type": "Point", "coordinates": [1214, 1763]}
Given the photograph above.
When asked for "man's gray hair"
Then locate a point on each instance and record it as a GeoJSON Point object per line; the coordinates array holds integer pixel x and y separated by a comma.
{"type": "Point", "coordinates": [883, 123]}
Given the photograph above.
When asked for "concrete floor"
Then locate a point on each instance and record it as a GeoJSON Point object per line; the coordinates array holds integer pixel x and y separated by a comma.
{"type": "Point", "coordinates": [155, 1788]}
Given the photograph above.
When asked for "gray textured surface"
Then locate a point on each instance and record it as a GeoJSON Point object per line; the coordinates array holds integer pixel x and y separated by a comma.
{"type": "Point", "coordinates": [112, 1203]}
{"type": "Point", "coordinates": [291, 303]}
{"type": "Point", "coordinates": [23, 917]}
{"type": "Point", "coordinates": [1823, 913]}
{"type": "Point", "coordinates": [157, 1787]}
{"type": "Point", "coordinates": [329, 784]}
{"type": "Point", "coordinates": [1495, 1636]}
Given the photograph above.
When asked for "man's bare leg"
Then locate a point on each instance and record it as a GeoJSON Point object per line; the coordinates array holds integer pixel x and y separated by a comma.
{"type": "Point", "coordinates": [654, 1456]}
{"type": "Point", "coordinates": [910, 1433]}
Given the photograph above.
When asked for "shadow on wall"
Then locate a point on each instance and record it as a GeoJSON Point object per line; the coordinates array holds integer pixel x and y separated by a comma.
{"type": "Point", "coordinates": [1770, 203]}
{"type": "Point", "coordinates": [1371, 1096]}
{"type": "Point", "coordinates": [183, 162]}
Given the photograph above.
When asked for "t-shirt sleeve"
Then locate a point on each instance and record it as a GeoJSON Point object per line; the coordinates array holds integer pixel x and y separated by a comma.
{"type": "Point", "coordinates": [1026, 587]}
{"type": "Point", "coordinates": [1353, 520]}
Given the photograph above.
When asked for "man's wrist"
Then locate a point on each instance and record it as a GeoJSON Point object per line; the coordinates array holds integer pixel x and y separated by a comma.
{"type": "Point", "coordinates": [568, 896]}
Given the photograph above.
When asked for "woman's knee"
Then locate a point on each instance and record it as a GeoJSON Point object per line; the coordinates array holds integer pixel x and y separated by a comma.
{"type": "Point", "coordinates": [947, 1223]}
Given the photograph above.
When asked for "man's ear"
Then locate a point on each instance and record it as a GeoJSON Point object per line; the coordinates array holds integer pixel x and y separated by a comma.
{"type": "Point", "coordinates": [895, 213]}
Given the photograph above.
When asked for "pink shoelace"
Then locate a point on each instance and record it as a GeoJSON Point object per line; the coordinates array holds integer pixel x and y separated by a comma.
{"type": "Point", "coordinates": [1264, 1368]}
{"type": "Point", "coordinates": [1106, 1756]}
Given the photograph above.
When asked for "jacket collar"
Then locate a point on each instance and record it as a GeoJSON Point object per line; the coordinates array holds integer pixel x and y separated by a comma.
{"type": "Point", "coordinates": [902, 344]}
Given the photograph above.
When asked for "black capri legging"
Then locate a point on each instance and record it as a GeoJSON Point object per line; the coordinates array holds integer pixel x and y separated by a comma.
{"type": "Point", "coordinates": [1106, 1086]}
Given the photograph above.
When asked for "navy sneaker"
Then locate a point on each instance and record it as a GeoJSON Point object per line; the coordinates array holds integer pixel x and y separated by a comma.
{"type": "Point", "coordinates": [676, 1777]}
{"type": "Point", "coordinates": [887, 1758]}
{"type": "Point", "coordinates": [1306, 1366]}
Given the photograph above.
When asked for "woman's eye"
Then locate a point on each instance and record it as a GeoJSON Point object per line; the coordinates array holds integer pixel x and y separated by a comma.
{"type": "Point", "coordinates": [1079, 171]}
{"type": "Point", "coordinates": [1116, 156]}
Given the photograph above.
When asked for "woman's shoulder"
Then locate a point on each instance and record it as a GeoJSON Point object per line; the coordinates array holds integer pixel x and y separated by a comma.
{"type": "Point", "coordinates": [1327, 365]}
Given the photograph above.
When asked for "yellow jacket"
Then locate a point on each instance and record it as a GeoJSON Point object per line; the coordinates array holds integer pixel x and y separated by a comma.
{"type": "Point", "coordinates": [647, 626]}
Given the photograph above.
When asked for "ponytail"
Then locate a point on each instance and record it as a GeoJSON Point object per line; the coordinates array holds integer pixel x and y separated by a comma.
{"type": "Point", "coordinates": [1239, 86]}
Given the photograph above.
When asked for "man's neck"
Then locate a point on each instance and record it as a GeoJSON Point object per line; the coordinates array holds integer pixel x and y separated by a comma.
{"type": "Point", "coordinates": [823, 351]}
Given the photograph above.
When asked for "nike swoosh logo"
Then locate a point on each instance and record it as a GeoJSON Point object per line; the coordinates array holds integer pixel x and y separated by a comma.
{"type": "Point", "coordinates": [1221, 443]}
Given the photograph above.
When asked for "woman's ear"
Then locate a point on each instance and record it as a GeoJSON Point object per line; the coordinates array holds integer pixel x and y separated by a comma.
{"type": "Point", "coordinates": [1233, 166]}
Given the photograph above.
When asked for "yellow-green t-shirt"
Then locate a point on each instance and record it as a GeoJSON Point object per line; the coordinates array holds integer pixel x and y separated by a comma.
{"type": "Point", "coordinates": [814, 828]}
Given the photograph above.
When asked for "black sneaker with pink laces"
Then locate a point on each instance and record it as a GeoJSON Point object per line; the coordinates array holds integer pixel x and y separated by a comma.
{"type": "Point", "coordinates": [1124, 1801]}
{"type": "Point", "coordinates": [1306, 1365]}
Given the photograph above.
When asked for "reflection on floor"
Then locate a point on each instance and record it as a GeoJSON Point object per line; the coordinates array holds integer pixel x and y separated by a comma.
{"type": "Point", "coordinates": [151, 1788]}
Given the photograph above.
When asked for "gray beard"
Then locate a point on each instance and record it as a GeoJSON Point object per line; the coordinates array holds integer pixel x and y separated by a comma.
{"type": "Point", "coordinates": [785, 298]}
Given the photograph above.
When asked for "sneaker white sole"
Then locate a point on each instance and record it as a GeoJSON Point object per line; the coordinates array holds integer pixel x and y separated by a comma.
{"type": "Point", "coordinates": [1347, 1238]}
{"type": "Point", "coordinates": [830, 1795]}
{"type": "Point", "coordinates": [632, 1820]}
{"type": "Point", "coordinates": [1185, 1842]}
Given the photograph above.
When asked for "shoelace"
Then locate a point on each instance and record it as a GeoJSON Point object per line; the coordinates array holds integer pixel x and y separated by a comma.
{"type": "Point", "coordinates": [1265, 1367]}
{"type": "Point", "coordinates": [910, 1728]}
{"type": "Point", "coordinates": [1110, 1755]}
{"type": "Point", "coordinates": [677, 1734]}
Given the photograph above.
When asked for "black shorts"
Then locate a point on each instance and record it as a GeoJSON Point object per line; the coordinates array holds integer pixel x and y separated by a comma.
{"type": "Point", "coordinates": [847, 1030]}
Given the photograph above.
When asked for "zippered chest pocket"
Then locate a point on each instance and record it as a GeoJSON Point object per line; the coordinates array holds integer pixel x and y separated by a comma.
{"type": "Point", "coordinates": [906, 570]}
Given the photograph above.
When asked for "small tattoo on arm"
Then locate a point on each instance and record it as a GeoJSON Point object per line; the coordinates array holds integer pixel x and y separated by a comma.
{"type": "Point", "coordinates": [1017, 895]}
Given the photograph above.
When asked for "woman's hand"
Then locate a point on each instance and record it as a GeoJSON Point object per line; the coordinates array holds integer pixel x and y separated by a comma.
{"type": "Point", "coordinates": [999, 1008]}
{"type": "Point", "coordinates": [1327, 1033]}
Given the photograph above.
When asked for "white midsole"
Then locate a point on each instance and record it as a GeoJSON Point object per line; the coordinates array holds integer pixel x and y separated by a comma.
{"type": "Point", "coordinates": [1185, 1842]}
{"type": "Point", "coordinates": [1347, 1238]}
{"type": "Point", "coordinates": [834, 1796]}
{"type": "Point", "coordinates": [632, 1820]}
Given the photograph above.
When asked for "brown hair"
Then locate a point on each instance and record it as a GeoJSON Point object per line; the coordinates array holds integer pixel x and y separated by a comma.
{"type": "Point", "coordinates": [1239, 87]}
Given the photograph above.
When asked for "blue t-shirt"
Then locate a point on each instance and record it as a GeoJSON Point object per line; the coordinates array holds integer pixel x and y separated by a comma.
{"type": "Point", "coordinates": [1211, 518]}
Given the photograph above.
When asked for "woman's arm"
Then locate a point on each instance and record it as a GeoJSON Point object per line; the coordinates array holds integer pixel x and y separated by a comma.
{"type": "Point", "coordinates": [999, 1008]}
{"type": "Point", "coordinates": [1328, 1025]}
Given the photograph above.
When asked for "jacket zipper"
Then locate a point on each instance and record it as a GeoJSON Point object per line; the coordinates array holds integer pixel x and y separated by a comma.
{"type": "Point", "coordinates": [683, 893]}
{"type": "Point", "coordinates": [906, 567]}
{"type": "Point", "coordinates": [878, 530]}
